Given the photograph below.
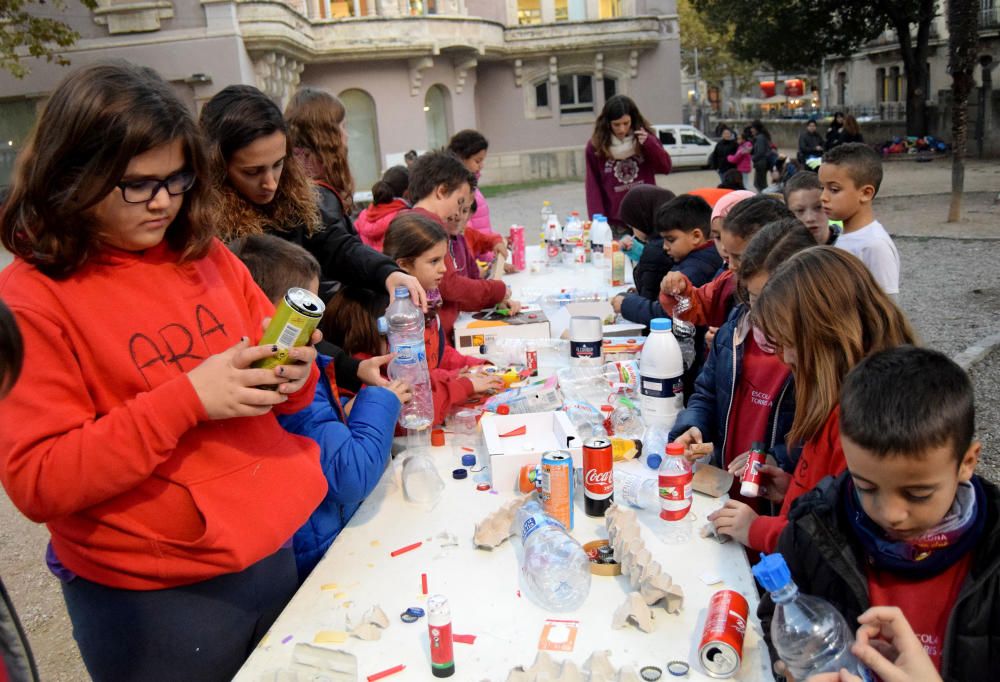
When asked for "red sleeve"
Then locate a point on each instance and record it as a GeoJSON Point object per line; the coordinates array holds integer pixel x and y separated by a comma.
{"type": "Point", "coordinates": [452, 359]}
{"type": "Point", "coordinates": [480, 242]}
{"type": "Point", "coordinates": [447, 390]}
{"type": "Point", "coordinates": [57, 455]}
{"type": "Point", "coordinates": [596, 201]}
{"type": "Point", "coordinates": [470, 294]}
{"type": "Point", "coordinates": [656, 156]}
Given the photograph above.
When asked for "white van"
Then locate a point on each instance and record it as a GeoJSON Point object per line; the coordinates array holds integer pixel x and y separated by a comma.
{"type": "Point", "coordinates": [688, 147]}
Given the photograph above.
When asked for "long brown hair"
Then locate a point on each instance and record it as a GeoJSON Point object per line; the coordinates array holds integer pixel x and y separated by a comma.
{"type": "Point", "coordinates": [614, 109]}
{"type": "Point", "coordinates": [350, 320]}
{"type": "Point", "coordinates": [315, 119]}
{"type": "Point", "coordinates": [97, 120]}
{"type": "Point", "coordinates": [234, 118]}
{"type": "Point", "coordinates": [411, 234]}
{"type": "Point", "coordinates": [825, 304]}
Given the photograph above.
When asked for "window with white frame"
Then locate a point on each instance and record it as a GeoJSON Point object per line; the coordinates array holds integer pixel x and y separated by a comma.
{"type": "Point", "coordinates": [576, 93]}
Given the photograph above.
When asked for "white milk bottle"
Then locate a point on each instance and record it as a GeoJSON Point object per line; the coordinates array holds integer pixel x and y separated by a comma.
{"type": "Point", "coordinates": [661, 370]}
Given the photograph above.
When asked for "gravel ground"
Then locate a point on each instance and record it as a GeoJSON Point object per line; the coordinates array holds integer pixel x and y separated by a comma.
{"type": "Point", "coordinates": [986, 377]}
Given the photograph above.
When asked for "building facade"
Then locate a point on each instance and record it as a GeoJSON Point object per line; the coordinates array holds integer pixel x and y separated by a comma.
{"type": "Point", "coordinates": [530, 74]}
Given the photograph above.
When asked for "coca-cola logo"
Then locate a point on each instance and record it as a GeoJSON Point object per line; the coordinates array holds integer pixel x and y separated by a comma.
{"type": "Point", "coordinates": [600, 480]}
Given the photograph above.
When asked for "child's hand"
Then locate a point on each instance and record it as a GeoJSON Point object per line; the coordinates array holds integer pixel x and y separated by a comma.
{"type": "Point", "coordinates": [616, 303]}
{"type": "Point", "coordinates": [887, 645]}
{"type": "Point", "coordinates": [402, 390]}
{"type": "Point", "coordinates": [481, 383]}
{"type": "Point", "coordinates": [774, 482]}
{"type": "Point", "coordinates": [674, 284]}
{"type": "Point", "coordinates": [500, 249]}
{"type": "Point", "coordinates": [688, 438]}
{"type": "Point", "coordinates": [626, 241]}
{"type": "Point", "coordinates": [734, 520]}
{"type": "Point", "coordinates": [641, 135]}
{"type": "Point", "coordinates": [513, 306]}
{"type": "Point", "coordinates": [709, 336]}
{"type": "Point", "coordinates": [227, 385]}
{"type": "Point", "coordinates": [370, 370]}
{"type": "Point", "coordinates": [508, 268]}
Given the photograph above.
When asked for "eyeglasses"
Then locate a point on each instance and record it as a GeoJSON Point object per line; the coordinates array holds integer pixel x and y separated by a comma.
{"type": "Point", "coordinates": [143, 191]}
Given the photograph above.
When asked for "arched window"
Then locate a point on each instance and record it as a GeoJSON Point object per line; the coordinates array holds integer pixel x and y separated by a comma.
{"type": "Point", "coordinates": [362, 137]}
{"type": "Point", "coordinates": [436, 114]}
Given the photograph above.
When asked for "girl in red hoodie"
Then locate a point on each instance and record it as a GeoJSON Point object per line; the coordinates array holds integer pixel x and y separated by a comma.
{"type": "Point", "coordinates": [419, 246]}
{"type": "Point", "coordinates": [139, 432]}
{"type": "Point", "coordinates": [388, 199]}
{"type": "Point", "coordinates": [825, 313]}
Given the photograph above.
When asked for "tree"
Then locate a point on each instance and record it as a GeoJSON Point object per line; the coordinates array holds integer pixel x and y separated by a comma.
{"type": "Point", "coordinates": [963, 46]}
{"type": "Point", "coordinates": [716, 61]}
{"type": "Point", "coordinates": [25, 32]}
{"type": "Point", "coordinates": [797, 34]}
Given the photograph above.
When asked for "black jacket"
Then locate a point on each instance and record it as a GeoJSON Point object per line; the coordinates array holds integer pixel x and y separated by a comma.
{"type": "Point", "coordinates": [761, 153]}
{"type": "Point", "coordinates": [343, 259]}
{"type": "Point", "coordinates": [810, 144]}
{"type": "Point", "coordinates": [827, 561]}
{"type": "Point", "coordinates": [653, 266]}
{"type": "Point", "coordinates": [15, 654]}
{"type": "Point", "coordinates": [718, 158]}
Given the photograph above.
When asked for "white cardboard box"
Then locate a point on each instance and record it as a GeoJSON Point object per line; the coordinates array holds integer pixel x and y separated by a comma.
{"type": "Point", "coordinates": [544, 431]}
{"type": "Point", "coordinates": [471, 333]}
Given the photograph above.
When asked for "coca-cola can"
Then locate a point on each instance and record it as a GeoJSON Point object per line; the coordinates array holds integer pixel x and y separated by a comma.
{"type": "Point", "coordinates": [598, 476]}
{"type": "Point", "coordinates": [721, 648]}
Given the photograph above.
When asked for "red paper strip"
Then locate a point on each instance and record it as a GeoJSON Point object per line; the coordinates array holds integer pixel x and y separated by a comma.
{"type": "Point", "coordinates": [519, 431]}
{"type": "Point", "coordinates": [404, 550]}
{"type": "Point", "coordinates": [468, 449]}
{"type": "Point", "coordinates": [386, 673]}
{"type": "Point", "coordinates": [464, 639]}
{"type": "Point", "coordinates": [423, 582]}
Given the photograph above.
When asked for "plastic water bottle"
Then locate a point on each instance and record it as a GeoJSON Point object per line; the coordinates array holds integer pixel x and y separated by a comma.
{"type": "Point", "coordinates": [810, 636]}
{"type": "Point", "coordinates": [555, 567]}
{"type": "Point", "coordinates": [600, 237]}
{"type": "Point", "coordinates": [684, 331]}
{"type": "Point", "coordinates": [676, 497]}
{"type": "Point", "coordinates": [641, 492]}
{"type": "Point", "coordinates": [421, 482]}
{"type": "Point", "coordinates": [406, 340]}
{"type": "Point", "coordinates": [661, 370]}
{"type": "Point", "coordinates": [622, 376]}
{"type": "Point", "coordinates": [586, 419]}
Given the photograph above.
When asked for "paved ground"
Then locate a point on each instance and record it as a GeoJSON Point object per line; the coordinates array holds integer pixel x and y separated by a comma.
{"type": "Point", "coordinates": [950, 290]}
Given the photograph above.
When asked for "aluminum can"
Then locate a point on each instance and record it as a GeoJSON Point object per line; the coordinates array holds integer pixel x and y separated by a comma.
{"type": "Point", "coordinates": [294, 321]}
{"type": "Point", "coordinates": [598, 476]}
{"type": "Point", "coordinates": [556, 490]}
{"type": "Point", "coordinates": [531, 358]}
{"type": "Point", "coordinates": [721, 648]}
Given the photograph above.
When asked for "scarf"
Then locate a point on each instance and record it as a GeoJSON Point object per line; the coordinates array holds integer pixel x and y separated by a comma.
{"type": "Point", "coordinates": [434, 303]}
{"type": "Point", "coordinates": [622, 149]}
{"type": "Point", "coordinates": [931, 553]}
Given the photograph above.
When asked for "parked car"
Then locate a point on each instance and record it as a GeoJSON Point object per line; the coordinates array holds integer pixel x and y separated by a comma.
{"type": "Point", "coordinates": [688, 147]}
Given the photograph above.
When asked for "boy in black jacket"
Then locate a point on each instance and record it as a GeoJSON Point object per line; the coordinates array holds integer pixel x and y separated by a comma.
{"type": "Point", "coordinates": [908, 524]}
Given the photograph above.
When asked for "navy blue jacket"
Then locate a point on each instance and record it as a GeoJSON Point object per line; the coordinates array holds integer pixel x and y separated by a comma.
{"type": "Point", "coordinates": [353, 457]}
{"type": "Point", "coordinates": [710, 407]}
{"type": "Point", "coordinates": [699, 266]}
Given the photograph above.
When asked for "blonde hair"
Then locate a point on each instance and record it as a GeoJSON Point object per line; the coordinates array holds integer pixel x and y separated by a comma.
{"type": "Point", "coordinates": [824, 303]}
{"type": "Point", "coordinates": [314, 122]}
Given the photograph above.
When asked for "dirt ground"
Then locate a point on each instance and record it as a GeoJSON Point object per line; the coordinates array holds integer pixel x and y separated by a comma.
{"type": "Point", "coordinates": [910, 204]}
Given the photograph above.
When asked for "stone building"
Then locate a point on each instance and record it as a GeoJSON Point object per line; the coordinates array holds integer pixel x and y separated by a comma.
{"type": "Point", "coordinates": [530, 74]}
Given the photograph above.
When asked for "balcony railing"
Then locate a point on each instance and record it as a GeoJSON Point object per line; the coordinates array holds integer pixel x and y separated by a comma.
{"type": "Point", "coordinates": [989, 17]}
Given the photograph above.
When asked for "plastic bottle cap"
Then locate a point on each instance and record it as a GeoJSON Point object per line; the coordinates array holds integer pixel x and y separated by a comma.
{"type": "Point", "coordinates": [459, 474]}
{"type": "Point", "coordinates": [437, 437]}
{"type": "Point", "coordinates": [653, 461]}
{"type": "Point", "coordinates": [660, 324]}
{"type": "Point", "coordinates": [607, 408]}
{"type": "Point", "coordinates": [772, 572]}
{"type": "Point", "coordinates": [402, 292]}
{"type": "Point", "coordinates": [675, 449]}
{"type": "Point", "coordinates": [503, 409]}
{"type": "Point", "coordinates": [468, 460]}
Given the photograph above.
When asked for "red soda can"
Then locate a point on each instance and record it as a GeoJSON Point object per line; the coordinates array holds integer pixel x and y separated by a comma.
{"type": "Point", "coordinates": [598, 477]}
{"type": "Point", "coordinates": [721, 648]}
{"type": "Point", "coordinates": [531, 358]}
{"type": "Point", "coordinates": [517, 247]}
{"type": "Point", "coordinates": [750, 480]}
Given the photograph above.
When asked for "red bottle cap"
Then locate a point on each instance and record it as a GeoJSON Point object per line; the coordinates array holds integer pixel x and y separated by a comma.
{"type": "Point", "coordinates": [503, 409]}
{"type": "Point", "coordinates": [675, 449]}
{"type": "Point", "coordinates": [437, 438]}
{"type": "Point", "coordinates": [607, 408]}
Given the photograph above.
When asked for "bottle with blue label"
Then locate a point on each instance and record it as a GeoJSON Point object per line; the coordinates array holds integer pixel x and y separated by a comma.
{"type": "Point", "coordinates": [406, 339]}
{"type": "Point", "coordinates": [556, 569]}
{"type": "Point", "coordinates": [661, 376]}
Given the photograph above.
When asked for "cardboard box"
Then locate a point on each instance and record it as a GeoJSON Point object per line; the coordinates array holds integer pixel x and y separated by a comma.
{"type": "Point", "coordinates": [479, 329]}
{"type": "Point", "coordinates": [544, 431]}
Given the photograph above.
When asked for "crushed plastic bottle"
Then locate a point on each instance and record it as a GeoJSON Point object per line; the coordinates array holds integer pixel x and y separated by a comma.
{"type": "Point", "coordinates": [585, 418]}
{"type": "Point", "coordinates": [406, 340]}
{"type": "Point", "coordinates": [808, 633]}
{"type": "Point", "coordinates": [556, 570]}
{"type": "Point", "coordinates": [675, 496]}
{"type": "Point", "coordinates": [683, 330]}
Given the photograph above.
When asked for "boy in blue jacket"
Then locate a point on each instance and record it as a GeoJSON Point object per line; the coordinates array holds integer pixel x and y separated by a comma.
{"type": "Point", "coordinates": [354, 440]}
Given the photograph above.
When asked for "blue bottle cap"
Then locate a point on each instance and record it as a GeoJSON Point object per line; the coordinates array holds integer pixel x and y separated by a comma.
{"type": "Point", "coordinates": [402, 292]}
{"type": "Point", "coordinates": [660, 324]}
{"type": "Point", "coordinates": [653, 460]}
{"type": "Point", "coordinates": [772, 572]}
{"type": "Point", "coordinates": [468, 460]}
{"type": "Point", "coordinates": [459, 474]}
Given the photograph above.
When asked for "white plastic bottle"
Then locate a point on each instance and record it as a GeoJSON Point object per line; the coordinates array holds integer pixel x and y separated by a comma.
{"type": "Point", "coordinates": [642, 492]}
{"type": "Point", "coordinates": [808, 633]}
{"type": "Point", "coordinates": [600, 238]}
{"type": "Point", "coordinates": [676, 495]}
{"type": "Point", "coordinates": [661, 370]}
{"type": "Point", "coordinates": [555, 567]}
{"type": "Point", "coordinates": [406, 340]}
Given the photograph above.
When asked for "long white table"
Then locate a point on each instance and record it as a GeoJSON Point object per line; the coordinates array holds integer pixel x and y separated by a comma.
{"type": "Point", "coordinates": [487, 594]}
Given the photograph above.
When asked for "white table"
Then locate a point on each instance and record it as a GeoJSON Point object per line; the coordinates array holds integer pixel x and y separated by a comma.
{"type": "Point", "coordinates": [553, 278]}
{"type": "Point", "coordinates": [483, 591]}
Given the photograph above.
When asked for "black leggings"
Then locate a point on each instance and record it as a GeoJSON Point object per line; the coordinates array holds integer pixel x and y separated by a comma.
{"type": "Point", "coordinates": [194, 633]}
{"type": "Point", "coordinates": [760, 177]}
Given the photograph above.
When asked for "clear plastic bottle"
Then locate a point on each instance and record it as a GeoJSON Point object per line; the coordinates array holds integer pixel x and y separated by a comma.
{"type": "Point", "coordinates": [683, 330]}
{"type": "Point", "coordinates": [406, 340]}
{"type": "Point", "coordinates": [585, 418]}
{"type": "Point", "coordinates": [641, 492]}
{"type": "Point", "coordinates": [661, 370]}
{"type": "Point", "coordinates": [675, 496]}
{"type": "Point", "coordinates": [421, 482]}
{"type": "Point", "coordinates": [808, 633]}
{"type": "Point", "coordinates": [556, 569]}
{"type": "Point", "coordinates": [622, 376]}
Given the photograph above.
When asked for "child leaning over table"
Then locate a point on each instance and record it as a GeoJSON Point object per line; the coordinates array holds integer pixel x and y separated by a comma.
{"type": "Point", "coordinates": [353, 443]}
{"type": "Point", "coordinates": [908, 524]}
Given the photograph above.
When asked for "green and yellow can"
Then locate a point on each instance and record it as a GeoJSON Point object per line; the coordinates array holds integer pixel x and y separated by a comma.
{"type": "Point", "coordinates": [294, 321]}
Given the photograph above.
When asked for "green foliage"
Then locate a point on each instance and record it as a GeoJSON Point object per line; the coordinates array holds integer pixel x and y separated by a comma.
{"type": "Point", "coordinates": [712, 39]}
{"type": "Point", "coordinates": [24, 32]}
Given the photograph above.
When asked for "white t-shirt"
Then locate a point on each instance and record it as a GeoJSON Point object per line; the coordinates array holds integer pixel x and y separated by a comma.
{"type": "Point", "coordinates": [873, 245]}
